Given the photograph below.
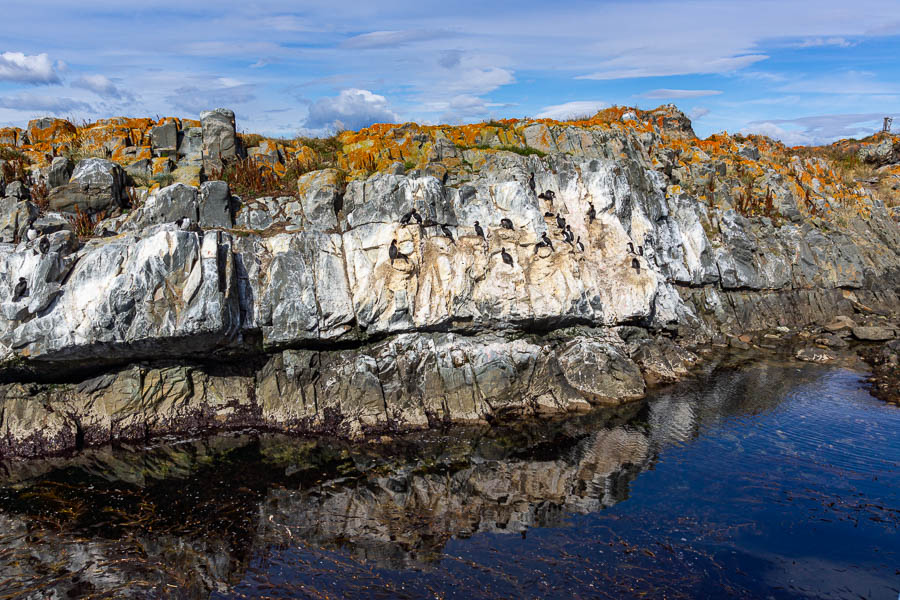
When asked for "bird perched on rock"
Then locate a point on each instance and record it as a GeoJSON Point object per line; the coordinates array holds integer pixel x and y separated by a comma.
{"type": "Point", "coordinates": [640, 250]}
{"type": "Point", "coordinates": [544, 243]}
{"type": "Point", "coordinates": [20, 290]}
{"type": "Point", "coordinates": [417, 216]}
{"type": "Point", "coordinates": [394, 252]}
{"type": "Point", "coordinates": [446, 231]}
{"type": "Point", "coordinates": [405, 219]}
{"type": "Point", "coordinates": [636, 265]}
{"type": "Point", "coordinates": [507, 258]}
{"type": "Point", "coordinates": [547, 195]}
{"type": "Point", "coordinates": [44, 245]}
{"type": "Point", "coordinates": [183, 223]}
{"type": "Point", "coordinates": [592, 213]}
{"type": "Point", "coordinates": [549, 214]}
{"type": "Point", "coordinates": [630, 248]}
{"type": "Point", "coordinates": [560, 222]}
{"type": "Point", "coordinates": [531, 182]}
{"type": "Point", "coordinates": [478, 230]}
{"type": "Point", "coordinates": [578, 245]}
{"type": "Point", "coordinates": [506, 224]}
{"type": "Point", "coordinates": [31, 234]}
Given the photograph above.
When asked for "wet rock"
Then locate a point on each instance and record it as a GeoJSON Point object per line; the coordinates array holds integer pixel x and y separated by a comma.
{"type": "Point", "coordinates": [812, 354]}
{"type": "Point", "coordinates": [873, 333]}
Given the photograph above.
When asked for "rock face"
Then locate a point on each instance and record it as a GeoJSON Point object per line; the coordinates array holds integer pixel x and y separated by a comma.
{"type": "Point", "coordinates": [96, 185]}
{"type": "Point", "coordinates": [299, 319]}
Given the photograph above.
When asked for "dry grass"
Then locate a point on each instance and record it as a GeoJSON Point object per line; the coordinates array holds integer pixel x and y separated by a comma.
{"type": "Point", "coordinates": [249, 178]}
{"type": "Point", "coordinates": [83, 223]}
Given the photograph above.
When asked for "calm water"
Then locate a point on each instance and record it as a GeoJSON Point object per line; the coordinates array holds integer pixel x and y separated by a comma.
{"type": "Point", "coordinates": [772, 481]}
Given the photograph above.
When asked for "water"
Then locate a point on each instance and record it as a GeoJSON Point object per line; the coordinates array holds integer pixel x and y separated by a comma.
{"type": "Point", "coordinates": [771, 481]}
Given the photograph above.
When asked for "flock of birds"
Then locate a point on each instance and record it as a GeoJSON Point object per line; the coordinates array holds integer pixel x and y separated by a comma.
{"type": "Point", "coordinates": [568, 236]}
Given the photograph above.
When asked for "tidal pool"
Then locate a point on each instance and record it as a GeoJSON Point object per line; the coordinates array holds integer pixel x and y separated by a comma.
{"type": "Point", "coordinates": [772, 480]}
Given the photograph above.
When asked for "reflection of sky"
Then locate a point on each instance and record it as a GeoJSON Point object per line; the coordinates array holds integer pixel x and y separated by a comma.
{"type": "Point", "coordinates": [798, 71]}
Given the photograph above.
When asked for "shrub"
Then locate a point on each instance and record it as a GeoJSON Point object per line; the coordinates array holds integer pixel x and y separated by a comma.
{"type": "Point", "coordinates": [249, 179]}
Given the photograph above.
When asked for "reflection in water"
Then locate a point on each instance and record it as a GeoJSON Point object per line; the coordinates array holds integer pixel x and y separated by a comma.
{"type": "Point", "coordinates": [721, 477]}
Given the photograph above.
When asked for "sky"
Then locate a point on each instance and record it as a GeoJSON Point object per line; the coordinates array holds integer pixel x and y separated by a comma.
{"type": "Point", "coordinates": [802, 72]}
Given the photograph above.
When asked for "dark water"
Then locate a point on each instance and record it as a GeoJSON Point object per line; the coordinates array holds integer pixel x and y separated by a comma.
{"type": "Point", "coordinates": [772, 481]}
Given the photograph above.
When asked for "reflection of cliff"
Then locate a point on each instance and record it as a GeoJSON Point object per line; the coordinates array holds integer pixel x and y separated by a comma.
{"type": "Point", "coordinates": [196, 515]}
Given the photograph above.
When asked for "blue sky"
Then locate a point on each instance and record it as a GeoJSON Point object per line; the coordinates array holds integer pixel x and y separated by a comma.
{"type": "Point", "coordinates": [804, 72]}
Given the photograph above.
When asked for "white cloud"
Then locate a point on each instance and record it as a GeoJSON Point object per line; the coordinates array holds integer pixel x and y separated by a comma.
{"type": "Point", "coordinates": [820, 42]}
{"type": "Point", "coordinates": [22, 68]}
{"type": "Point", "coordinates": [197, 98]}
{"type": "Point", "coordinates": [393, 39]}
{"type": "Point", "coordinates": [668, 93]}
{"type": "Point", "coordinates": [817, 129]}
{"type": "Point", "coordinates": [351, 109]}
{"type": "Point", "coordinates": [100, 85]}
{"type": "Point", "coordinates": [43, 104]}
{"type": "Point", "coordinates": [571, 109]}
{"type": "Point", "coordinates": [698, 112]}
{"type": "Point", "coordinates": [671, 65]}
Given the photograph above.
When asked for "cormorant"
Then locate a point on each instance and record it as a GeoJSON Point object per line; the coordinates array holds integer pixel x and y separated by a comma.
{"type": "Point", "coordinates": [549, 214]}
{"type": "Point", "coordinates": [568, 236]}
{"type": "Point", "coordinates": [393, 252]}
{"type": "Point", "coordinates": [630, 248]}
{"type": "Point", "coordinates": [506, 224]}
{"type": "Point", "coordinates": [560, 222]}
{"type": "Point", "coordinates": [446, 231]}
{"type": "Point", "coordinates": [506, 256]}
{"type": "Point", "coordinates": [640, 250]}
{"type": "Point", "coordinates": [531, 182]}
{"type": "Point", "coordinates": [478, 230]}
{"type": "Point", "coordinates": [636, 265]}
{"type": "Point", "coordinates": [546, 240]}
{"type": "Point", "coordinates": [592, 214]}
{"type": "Point", "coordinates": [404, 220]}
{"type": "Point", "coordinates": [579, 245]}
{"type": "Point", "coordinates": [417, 216]}
{"type": "Point", "coordinates": [20, 290]}
{"type": "Point", "coordinates": [547, 195]}
{"type": "Point", "coordinates": [44, 245]}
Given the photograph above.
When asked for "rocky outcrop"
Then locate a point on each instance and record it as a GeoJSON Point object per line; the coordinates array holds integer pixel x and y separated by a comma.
{"type": "Point", "coordinates": [298, 304]}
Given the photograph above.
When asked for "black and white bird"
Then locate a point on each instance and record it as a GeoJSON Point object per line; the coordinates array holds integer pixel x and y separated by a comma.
{"type": "Point", "coordinates": [630, 248]}
{"type": "Point", "coordinates": [531, 182]}
{"type": "Point", "coordinates": [640, 250]}
{"type": "Point", "coordinates": [479, 231]}
{"type": "Point", "coordinates": [547, 195]}
{"type": "Point", "coordinates": [446, 231]}
{"type": "Point", "coordinates": [507, 258]}
{"type": "Point", "coordinates": [578, 245]}
{"type": "Point", "coordinates": [560, 222]}
{"type": "Point", "coordinates": [592, 213]}
{"type": "Point", "coordinates": [506, 224]}
{"type": "Point", "coordinates": [44, 245]}
{"type": "Point", "coordinates": [394, 252]}
{"type": "Point", "coordinates": [569, 234]}
{"type": "Point", "coordinates": [636, 265]}
{"type": "Point", "coordinates": [20, 290]}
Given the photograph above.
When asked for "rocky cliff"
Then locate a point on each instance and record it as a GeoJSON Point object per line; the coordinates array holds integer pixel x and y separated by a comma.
{"type": "Point", "coordinates": [403, 276]}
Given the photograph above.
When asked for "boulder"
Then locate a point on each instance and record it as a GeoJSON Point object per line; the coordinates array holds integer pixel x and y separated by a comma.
{"type": "Point", "coordinates": [191, 144]}
{"type": "Point", "coordinates": [17, 190]}
{"type": "Point", "coordinates": [873, 334]}
{"type": "Point", "coordinates": [16, 217]}
{"type": "Point", "coordinates": [60, 172]}
{"type": "Point", "coordinates": [164, 139]}
{"type": "Point", "coordinates": [219, 137]}
{"type": "Point", "coordinates": [215, 205]}
{"type": "Point", "coordinates": [96, 184]}
{"type": "Point", "coordinates": [885, 152]}
{"type": "Point", "coordinates": [166, 205]}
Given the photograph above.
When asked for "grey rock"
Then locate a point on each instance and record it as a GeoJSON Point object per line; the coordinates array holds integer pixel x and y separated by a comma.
{"type": "Point", "coordinates": [96, 184]}
{"type": "Point", "coordinates": [16, 216]}
{"type": "Point", "coordinates": [60, 171]}
{"type": "Point", "coordinates": [166, 205]}
{"type": "Point", "coordinates": [17, 190]}
{"type": "Point", "coordinates": [164, 139]}
{"type": "Point", "coordinates": [873, 334]}
{"type": "Point", "coordinates": [191, 144]}
{"type": "Point", "coordinates": [219, 137]}
{"type": "Point", "coordinates": [215, 205]}
{"type": "Point", "coordinates": [51, 222]}
{"type": "Point", "coordinates": [141, 169]}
